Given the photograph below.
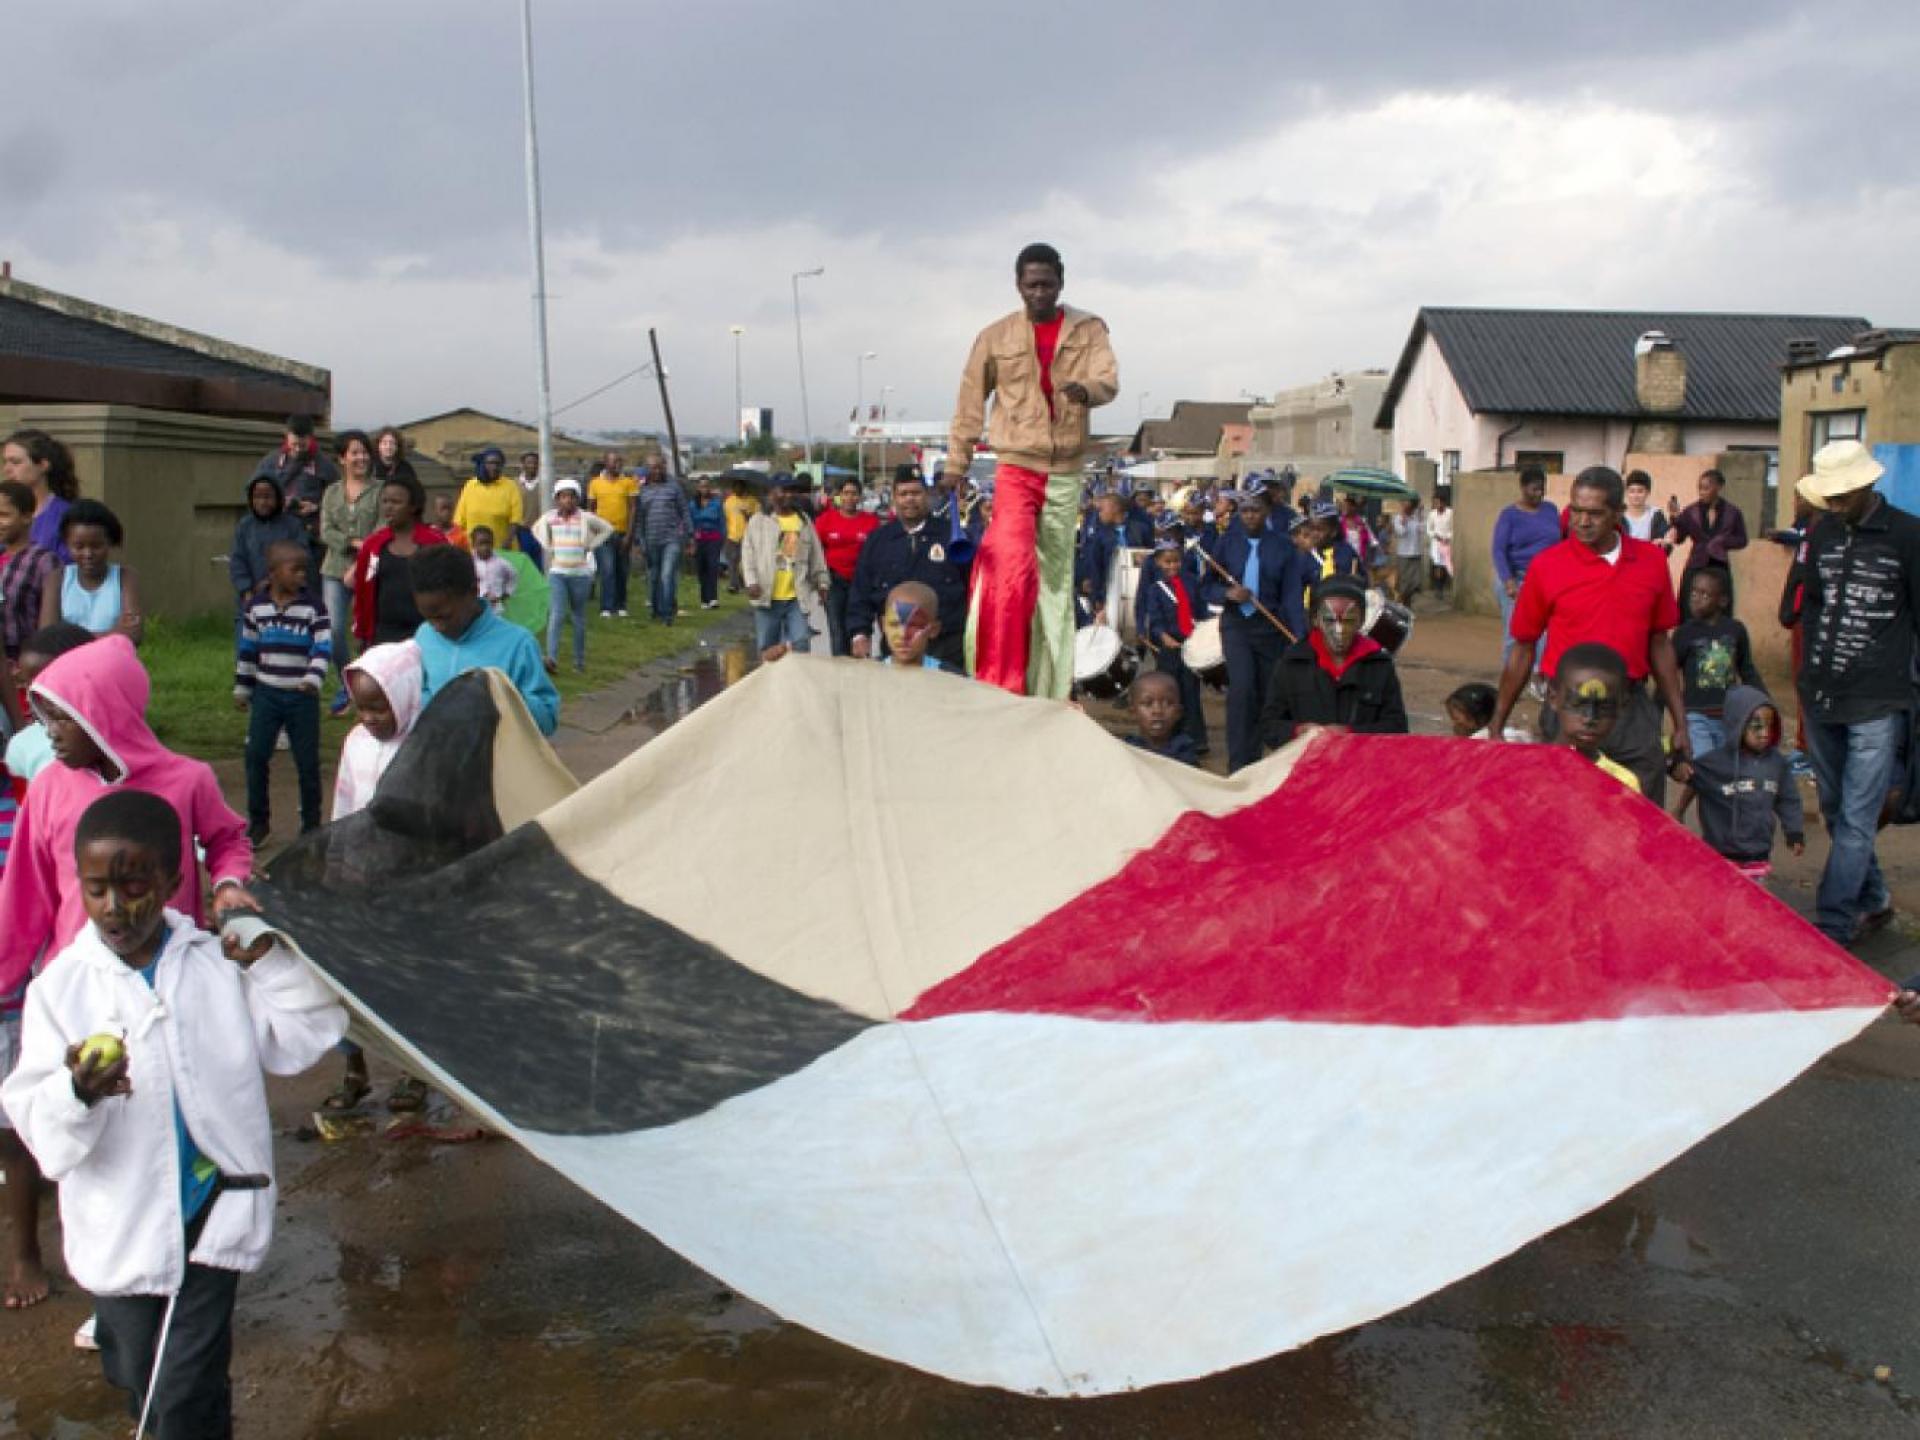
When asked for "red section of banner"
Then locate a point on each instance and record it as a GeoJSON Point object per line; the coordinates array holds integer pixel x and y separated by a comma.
{"type": "Point", "coordinates": [1397, 880]}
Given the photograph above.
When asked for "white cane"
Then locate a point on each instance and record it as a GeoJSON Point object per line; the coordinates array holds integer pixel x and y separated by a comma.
{"type": "Point", "coordinates": [159, 1358]}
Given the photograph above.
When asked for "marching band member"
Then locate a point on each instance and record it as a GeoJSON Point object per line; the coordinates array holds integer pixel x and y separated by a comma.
{"type": "Point", "coordinates": [1260, 615]}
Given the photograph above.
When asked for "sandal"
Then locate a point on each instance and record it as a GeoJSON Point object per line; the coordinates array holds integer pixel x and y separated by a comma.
{"type": "Point", "coordinates": [347, 1095]}
{"type": "Point", "coordinates": [407, 1095]}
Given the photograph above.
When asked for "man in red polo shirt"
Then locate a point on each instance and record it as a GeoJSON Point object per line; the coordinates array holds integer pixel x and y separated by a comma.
{"type": "Point", "coordinates": [843, 528]}
{"type": "Point", "coordinates": [1597, 585]}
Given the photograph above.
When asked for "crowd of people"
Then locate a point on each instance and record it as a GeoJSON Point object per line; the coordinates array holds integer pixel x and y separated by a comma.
{"type": "Point", "coordinates": [117, 854]}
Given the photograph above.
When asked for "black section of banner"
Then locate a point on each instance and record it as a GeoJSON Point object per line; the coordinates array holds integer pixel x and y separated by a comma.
{"type": "Point", "coordinates": [566, 1009]}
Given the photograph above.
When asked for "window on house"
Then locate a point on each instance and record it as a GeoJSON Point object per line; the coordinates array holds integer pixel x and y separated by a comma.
{"type": "Point", "coordinates": [1449, 464]}
{"type": "Point", "coordinates": [1550, 461]}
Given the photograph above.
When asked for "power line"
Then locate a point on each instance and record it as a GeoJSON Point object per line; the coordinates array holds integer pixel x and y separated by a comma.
{"type": "Point", "coordinates": [595, 394]}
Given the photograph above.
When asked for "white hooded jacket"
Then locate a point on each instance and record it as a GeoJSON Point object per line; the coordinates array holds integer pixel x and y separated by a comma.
{"type": "Point", "coordinates": [202, 1034]}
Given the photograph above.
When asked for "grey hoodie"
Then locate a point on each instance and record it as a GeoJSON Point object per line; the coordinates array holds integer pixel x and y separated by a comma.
{"type": "Point", "coordinates": [1741, 793]}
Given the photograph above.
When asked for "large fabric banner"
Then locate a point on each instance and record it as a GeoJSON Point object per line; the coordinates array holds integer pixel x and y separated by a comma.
{"type": "Point", "coordinates": [939, 1021]}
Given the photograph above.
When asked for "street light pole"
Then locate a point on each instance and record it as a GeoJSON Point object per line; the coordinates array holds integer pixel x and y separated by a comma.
{"type": "Point", "coordinates": [800, 349]}
{"type": "Point", "coordinates": [739, 404]}
{"type": "Point", "coordinates": [859, 400]}
{"type": "Point", "coordinates": [543, 380]}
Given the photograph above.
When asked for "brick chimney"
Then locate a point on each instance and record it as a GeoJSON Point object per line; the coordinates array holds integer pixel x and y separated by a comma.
{"type": "Point", "coordinates": [1660, 388]}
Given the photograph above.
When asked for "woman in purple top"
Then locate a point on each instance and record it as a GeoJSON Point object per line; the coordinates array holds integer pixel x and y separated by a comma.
{"type": "Point", "coordinates": [1523, 530]}
{"type": "Point", "coordinates": [1714, 526]}
{"type": "Point", "coordinates": [36, 460]}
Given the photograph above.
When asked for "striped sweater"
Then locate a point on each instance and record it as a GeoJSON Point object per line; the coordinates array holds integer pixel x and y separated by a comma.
{"type": "Point", "coordinates": [283, 647]}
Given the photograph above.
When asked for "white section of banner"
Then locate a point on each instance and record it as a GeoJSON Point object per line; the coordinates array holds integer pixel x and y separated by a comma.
{"type": "Point", "coordinates": [1078, 1207]}
{"type": "Point", "coordinates": [827, 768]}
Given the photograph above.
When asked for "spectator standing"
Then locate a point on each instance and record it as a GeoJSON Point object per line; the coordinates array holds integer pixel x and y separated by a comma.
{"type": "Point", "coordinates": [1409, 534]}
{"type": "Point", "coordinates": [529, 482]}
{"type": "Point", "coordinates": [740, 506]}
{"type": "Point", "coordinates": [1642, 519]}
{"type": "Point", "coordinates": [349, 513]}
{"type": "Point", "coordinates": [610, 495]}
{"type": "Point", "coordinates": [1440, 544]}
{"type": "Point", "coordinates": [1714, 528]}
{"type": "Point", "coordinates": [1860, 599]}
{"type": "Point", "coordinates": [24, 571]}
{"type": "Point", "coordinates": [45, 466]}
{"type": "Point", "coordinates": [302, 473]}
{"type": "Point", "coordinates": [383, 608]}
{"type": "Point", "coordinates": [95, 591]}
{"type": "Point", "coordinates": [709, 517]}
{"type": "Point", "coordinates": [569, 535]}
{"type": "Point", "coordinates": [1523, 530]}
{"type": "Point", "coordinates": [780, 560]}
{"type": "Point", "coordinates": [843, 527]}
{"type": "Point", "coordinates": [285, 651]}
{"type": "Point", "coordinates": [664, 527]}
{"type": "Point", "coordinates": [489, 498]}
{"type": "Point", "coordinates": [908, 547]}
{"type": "Point", "coordinates": [1598, 587]}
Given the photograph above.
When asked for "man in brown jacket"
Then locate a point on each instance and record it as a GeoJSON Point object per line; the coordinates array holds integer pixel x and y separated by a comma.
{"type": "Point", "coordinates": [1045, 366]}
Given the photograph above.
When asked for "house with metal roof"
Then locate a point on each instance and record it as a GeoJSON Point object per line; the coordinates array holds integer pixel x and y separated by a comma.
{"type": "Point", "coordinates": [1565, 389]}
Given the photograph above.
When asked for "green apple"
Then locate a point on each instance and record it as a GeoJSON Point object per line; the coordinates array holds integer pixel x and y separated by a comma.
{"type": "Point", "coordinates": [101, 1050]}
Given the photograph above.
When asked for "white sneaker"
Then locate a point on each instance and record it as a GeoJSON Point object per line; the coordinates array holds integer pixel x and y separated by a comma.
{"type": "Point", "coordinates": [83, 1337]}
{"type": "Point", "coordinates": [285, 742]}
{"type": "Point", "coordinates": [623, 614]}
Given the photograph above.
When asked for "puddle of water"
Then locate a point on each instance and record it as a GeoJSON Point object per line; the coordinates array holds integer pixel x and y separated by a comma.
{"type": "Point", "coordinates": [710, 672]}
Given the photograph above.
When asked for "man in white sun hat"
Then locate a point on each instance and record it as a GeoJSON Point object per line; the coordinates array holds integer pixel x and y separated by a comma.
{"type": "Point", "coordinates": [1861, 605]}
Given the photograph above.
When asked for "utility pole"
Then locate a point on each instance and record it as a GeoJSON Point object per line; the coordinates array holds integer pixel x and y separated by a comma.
{"type": "Point", "coordinates": [739, 404]}
{"type": "Point", "coordinates": [800, 349]}
{"type": "Point", "coordinates": [543, 380]}
{"type": "Point", "coordinates": [666, 405]}
{"type": "Point", "coordinates": [859, 404]}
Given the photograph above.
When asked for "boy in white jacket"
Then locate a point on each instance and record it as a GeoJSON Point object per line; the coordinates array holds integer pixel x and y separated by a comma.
{"type": "Point", "coordinates": [160, 1137]}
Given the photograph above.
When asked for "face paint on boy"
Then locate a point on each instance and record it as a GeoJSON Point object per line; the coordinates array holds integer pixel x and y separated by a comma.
{"type": "Point", "coordinates": [906, 625]}
{"type": "Point", "coordinates": [124, 890]}
{"type": "Point", "coordinates": [1339, 622]}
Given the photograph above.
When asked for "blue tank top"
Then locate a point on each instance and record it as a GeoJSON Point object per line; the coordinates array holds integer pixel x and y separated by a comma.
{"type": "Point", "coordinates": [95, 610]}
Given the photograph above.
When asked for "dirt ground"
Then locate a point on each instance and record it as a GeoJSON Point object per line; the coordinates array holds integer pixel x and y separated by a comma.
{"type": "Point", "coordinates": [427, 1289]}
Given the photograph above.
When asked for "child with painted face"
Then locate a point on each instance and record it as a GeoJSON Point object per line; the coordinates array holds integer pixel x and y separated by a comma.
{"type": "Point", "coordinates": [143, 1053]}
{"type": "Point", "coordinates": [911, 622]}
{"type": "Point", "coordinates": [1335, 678]}
{"type": "Point", "coordinates": [1746, 788]}
{"type": "Point", "coordinates": [1155, 702]}
{"type": "Point", "coordinates": [1585, 696]}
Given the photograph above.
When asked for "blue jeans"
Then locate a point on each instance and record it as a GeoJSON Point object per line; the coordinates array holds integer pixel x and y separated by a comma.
{"type": "Point", "coordinates": [1853, 765]}
{"type": "Point", "coordinates": [298, 713]}
{"type": "Point", "coordinates": [1506, 619]}
{"type": "Point", "coordinates": [781, 620]}
{"type": "Point", "coordinates": [339, 601]}
{"type": "Point", "coordinates": [569, 604]}
{"type": "Point", "coordinates": [1707, 732]}
{"type": "Point", "coordinates": [612, 560]}
{"type": "Point", "coordinates": [663, 579]}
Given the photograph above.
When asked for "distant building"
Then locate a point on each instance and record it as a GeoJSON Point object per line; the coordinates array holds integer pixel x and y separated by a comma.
{"type": "Point", "coordinates": [1196, 428]}
{"type": "Point", "coordinates": [1867, 389]}
{"type": "Point", "coordinates": [454, 437]}
{"type": "Point", "coordinates": [1322, 427]}
{"type": "Point", "coordinates": [1565, 389]}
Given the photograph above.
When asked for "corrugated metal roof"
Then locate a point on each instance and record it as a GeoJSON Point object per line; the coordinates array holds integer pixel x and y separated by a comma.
{"type": "Point", "coordinates": [1580, 362]}
{"type": "Point", "coordinates": [1194, 425]}
{"type": "Point", "coordinates": [34, 332]}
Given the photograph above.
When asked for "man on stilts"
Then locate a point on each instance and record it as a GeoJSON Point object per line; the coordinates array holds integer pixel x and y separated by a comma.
{"type": "Point", "coordinates": [1046, 366]}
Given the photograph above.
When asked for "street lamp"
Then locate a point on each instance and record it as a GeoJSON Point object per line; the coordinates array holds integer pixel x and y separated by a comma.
{"type": "Point", "coordinates": [859, 399]}
{"type": "Point", "coordinates": [800, 349]}
{"type": "Point", "coordinates": [739, 403]}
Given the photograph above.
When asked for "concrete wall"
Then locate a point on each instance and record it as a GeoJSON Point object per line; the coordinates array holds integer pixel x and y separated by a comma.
{"type": "Point", "coordinates": [1885, 385]}
{"type": "Point", "coordinates": [1759, 571]}
{"type": "Point", "coordinates": [177, 482]}
{"type": "Point", "coordinates": [1320, 428]}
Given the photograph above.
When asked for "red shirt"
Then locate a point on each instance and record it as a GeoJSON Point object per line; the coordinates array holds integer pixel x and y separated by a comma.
{"type": "Point", "coordinates": [1046, 339]}
{"type": "Point", "coordinates": [1623, 604]}
{"type": "Point", "coordinates": [841, 537]}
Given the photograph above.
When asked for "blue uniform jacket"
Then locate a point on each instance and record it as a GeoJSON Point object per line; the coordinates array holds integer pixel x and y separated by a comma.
{"type": "Point", "coordinates": [1157, 615]}
{"type": "Point", "coordinates": [1282, 572]}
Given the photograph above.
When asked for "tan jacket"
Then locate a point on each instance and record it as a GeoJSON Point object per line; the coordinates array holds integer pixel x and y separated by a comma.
{"type": "Point", "coordinates": [760, 559]}
{"type": "Point", "coordinates": [1003, 364]}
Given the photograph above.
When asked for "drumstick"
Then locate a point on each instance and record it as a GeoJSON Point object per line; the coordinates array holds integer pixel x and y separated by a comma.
{"type": "Point", "coordinates": [1231, 579]}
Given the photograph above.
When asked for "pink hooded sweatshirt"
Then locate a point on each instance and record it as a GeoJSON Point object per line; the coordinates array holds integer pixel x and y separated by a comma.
{"type": "Point", "coordinates": [104, 687]}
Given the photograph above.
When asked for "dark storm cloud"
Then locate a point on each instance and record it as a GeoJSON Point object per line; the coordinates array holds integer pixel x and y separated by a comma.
{"type": "Point", "coordinates": [353, 130]}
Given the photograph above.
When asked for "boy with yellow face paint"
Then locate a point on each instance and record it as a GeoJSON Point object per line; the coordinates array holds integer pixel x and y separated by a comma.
{"type": "Point", "coordinates": [1585, 695]}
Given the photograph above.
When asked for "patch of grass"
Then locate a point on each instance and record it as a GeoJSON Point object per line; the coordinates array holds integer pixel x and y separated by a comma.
{"type": "Point", "coordinates": [191, 662]}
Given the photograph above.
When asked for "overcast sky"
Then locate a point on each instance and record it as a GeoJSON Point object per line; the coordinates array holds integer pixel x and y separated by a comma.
{"type": "Point", "coordinates": [1252, 194]}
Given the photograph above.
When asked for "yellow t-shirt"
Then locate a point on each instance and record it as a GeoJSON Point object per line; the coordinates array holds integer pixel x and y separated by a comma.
{"type": "Point", "coordinates": [613, 500]}
{"type": "Point", "coordinates": [739, 509]}
{"type": "Point", "coordinates": [789, 552]}
{"type": "Point", "coordinates": [1619, 772]}
{"type": "Point", "coordinates": [494, 504]}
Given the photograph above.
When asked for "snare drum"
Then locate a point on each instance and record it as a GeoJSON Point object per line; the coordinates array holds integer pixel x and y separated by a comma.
{"type": "Point", "coordinates": [1203, 654]}
{"type": "Point", "coordinates": [1103, 667]}
{"type": "Point", "coordinates": [1388, 623]}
